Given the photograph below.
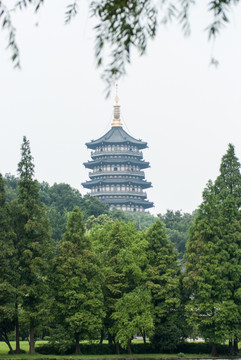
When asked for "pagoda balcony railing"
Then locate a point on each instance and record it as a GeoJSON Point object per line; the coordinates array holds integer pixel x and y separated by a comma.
{"type": "Point", "coordinates": [117, 172]}
{"type": "Point", "coordinates": [117, 152]}
{"type": "Point", "coordinates": [119, 193]}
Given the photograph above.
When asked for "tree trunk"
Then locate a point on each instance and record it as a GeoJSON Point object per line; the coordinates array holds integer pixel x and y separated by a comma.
{"type": "Point", "coordinates": [129, 347]}
{"type": "Point", "coordinates": [110, 339]}
{"type": "Point", "coordinates": [235, 346]}
{"type": "Point", "coordinates": [144, 337]}
{"type": "Point", "coordinates": [18, 350]}
{"type": "Point", "coordinates": [214, 351]}
{"type": "Point", "coordinates": [117, 348]}
{"type": "Point", "coordinates": [6, 340]}
{"type": "Point", "coordinates": [77, 346]}
{"type": "Point", "coordinates": [230, 346]}
{"type": "Point", "coordinates": [31, 338]}
{"type": "Point", "coordinates": [102, 334]}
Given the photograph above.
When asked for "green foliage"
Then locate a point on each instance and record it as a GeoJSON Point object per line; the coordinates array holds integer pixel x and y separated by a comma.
{"type": "Point", "coordinates": [100, 220]}
{"type": "Point", "coordinates": [8, 264]}
{"type": "Point", "coordinates": [78, 305]}
{"type": "Point", "coordinates": [121, 251]}
{"type": "Point", "coordinates": [59, 200]}
{"type": "Point", "coordinates": [213, 267]}
{"type": "Point", "coordinates": [137, 348]}
{"type": "Point", "coordinates": [142, 220]}
{"type": "Point", "coordinates": [133, 315]}
{"type": "Point", "coordinates": [61, 197]}
{"type": "Point", "coordinates": [93, 206]}
{"type": "Point", "coordinates": [32, 243]}
{"type": "Point", "coordinates": [177, 225]}
{"type": "Point", "coordinates": [163, 280]}
{"type": "Point", "coordinates": [11, 184]}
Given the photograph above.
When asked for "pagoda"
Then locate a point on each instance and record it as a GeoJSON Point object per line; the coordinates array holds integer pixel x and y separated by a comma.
{"type": "Point", "coordinates": [117, 177]}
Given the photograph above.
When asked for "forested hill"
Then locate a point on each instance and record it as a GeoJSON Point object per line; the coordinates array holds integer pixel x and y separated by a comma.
{"type": "Point", "coordinates": [60, 199]}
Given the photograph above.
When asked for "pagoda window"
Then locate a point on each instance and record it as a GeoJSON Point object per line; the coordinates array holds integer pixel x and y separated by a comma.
{"type": "Point", "coordinates": [100, 169]}
{"type": "Point", "coordinates": [115, 168]}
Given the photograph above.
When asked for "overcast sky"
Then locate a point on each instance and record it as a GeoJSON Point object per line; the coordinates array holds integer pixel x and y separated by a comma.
{"type": "Point", "coordinates": [187, 110]}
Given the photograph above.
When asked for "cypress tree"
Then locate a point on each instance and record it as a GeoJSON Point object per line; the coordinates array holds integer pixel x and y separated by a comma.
{"type": "Point", "coordinates": [77, 285]}
{"type": "Point", "coordinates": [33, 244]}
{"type": "Point", "coordinates": [8, 274]}
{"type": "Point", "coordinates": [163, 280]}
{"type": "Point", "coordinates": [213, 262]}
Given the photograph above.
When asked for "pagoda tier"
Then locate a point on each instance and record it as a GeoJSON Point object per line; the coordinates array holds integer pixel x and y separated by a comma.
{"type": "Point", "coordinates": [104, 173]}
{"type": "Point", "coordinates": [119, 180]}
{"type": "Point", "coordinates": [124, 160]}
{"type": "Point", "coordinates": [117, 177]}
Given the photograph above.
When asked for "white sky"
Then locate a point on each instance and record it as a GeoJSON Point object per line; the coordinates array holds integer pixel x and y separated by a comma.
{"type": "Point", "coordinates": [186, 110]}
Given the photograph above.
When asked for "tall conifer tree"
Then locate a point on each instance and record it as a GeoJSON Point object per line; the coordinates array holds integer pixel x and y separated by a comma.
{"type": "Point", "coordinates": [213, 257]}
{"type": "Point", "coordinates": [8, 269]}
{"type": "Point", "coordinates": [77, 284]}
{"type": "Point", "coordinates": [163, 279]}
{"type": "Point", "coordinates": [33, 245]}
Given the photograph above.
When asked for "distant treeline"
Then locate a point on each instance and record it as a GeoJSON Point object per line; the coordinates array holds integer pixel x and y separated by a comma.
{"type": "Point", "coordinates": [60, 199]}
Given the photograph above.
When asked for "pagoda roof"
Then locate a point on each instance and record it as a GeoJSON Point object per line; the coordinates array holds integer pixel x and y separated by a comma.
{"type": "Point", "coordinates": [108, 161]}
{"type": "Point", "coordinates": [144, 184]}
{"type": "Point", "coordinates": [116, 135]}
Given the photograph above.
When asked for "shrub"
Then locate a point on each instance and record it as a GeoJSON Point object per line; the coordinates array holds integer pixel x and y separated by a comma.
{"type": "Point", "coordinates": [65, 348]}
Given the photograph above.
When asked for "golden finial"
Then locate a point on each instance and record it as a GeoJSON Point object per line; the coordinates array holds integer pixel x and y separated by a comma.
{"type": "Point", "coordinates": [116, 121]}
{"type": "Point", "coordinates": [116, 94]}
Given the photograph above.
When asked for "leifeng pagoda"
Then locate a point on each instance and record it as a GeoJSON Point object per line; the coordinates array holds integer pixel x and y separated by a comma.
{"type": "Point", "coordinates": [117, 177]}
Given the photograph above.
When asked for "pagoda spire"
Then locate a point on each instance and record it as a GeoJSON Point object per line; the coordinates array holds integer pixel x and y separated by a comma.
{"type": "Point", "coordinates": [116, 120]}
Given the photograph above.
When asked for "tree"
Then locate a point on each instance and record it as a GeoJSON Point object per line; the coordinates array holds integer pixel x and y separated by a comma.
{"type": "Point", "coordinates": [33, 245]}
{"type": "Point", "coordinates": [77, 283]}
{"type": "Point", "coordinates": [93, 206]}
{"type": "Point", "coordinates": [133, 315]}
{"type": "Point", "coordinates": [11, 185]}
{"type": "Point", "coordinates": [177, 226]}
{"type": "Point", "coordinates": [124, 26]}
{"type": "Point", "coordinates": [8, 265]}
{"type": "Point", "coordinates": [213, 266]}
{"type": "Point", "coordinates": [163, 280]}
{"type": "Point", "coordinates": [121, 251]}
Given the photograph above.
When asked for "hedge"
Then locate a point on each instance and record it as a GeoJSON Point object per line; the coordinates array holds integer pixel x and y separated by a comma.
{"type": "Point", "coordinates": [106, 349]}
